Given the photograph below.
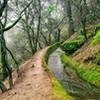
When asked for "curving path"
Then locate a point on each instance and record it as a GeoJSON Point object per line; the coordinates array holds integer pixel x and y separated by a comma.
{"type": "Point", "coordinates": [34, 82]}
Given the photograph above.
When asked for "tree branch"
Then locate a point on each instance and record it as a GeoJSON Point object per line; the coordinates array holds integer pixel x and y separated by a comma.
{"type": "Point", "coordinates": [14, 60]}
{"type": "Point", "coordinates": [9, 27]}
{"type": "Point", "coordinates": [3, 6]}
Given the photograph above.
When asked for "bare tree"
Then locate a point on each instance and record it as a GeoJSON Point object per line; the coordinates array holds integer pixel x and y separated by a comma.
{"type": "Point", "coordinates": [68, 13]}
{"type": "Point", "coordinates": [4, 49]}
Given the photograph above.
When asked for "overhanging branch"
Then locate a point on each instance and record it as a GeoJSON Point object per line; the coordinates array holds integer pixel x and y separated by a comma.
{"type": "Point", "coordinates": [9, 27]}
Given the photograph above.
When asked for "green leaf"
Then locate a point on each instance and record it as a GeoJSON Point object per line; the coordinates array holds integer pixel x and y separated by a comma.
{"type": "Point", "coordinates": [50, 8]}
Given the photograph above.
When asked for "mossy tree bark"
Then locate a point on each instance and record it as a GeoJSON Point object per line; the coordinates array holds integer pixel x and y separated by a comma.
{"type": "Point", "coordinates": [4, 59]}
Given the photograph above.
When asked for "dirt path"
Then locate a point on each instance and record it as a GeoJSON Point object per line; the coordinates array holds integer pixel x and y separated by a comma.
{"type": "Point", "coordinates": [34, 83]}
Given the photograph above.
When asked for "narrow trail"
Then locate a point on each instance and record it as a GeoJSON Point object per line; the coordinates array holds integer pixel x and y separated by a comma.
{"type": "Point", "coordinates": [34, 82]}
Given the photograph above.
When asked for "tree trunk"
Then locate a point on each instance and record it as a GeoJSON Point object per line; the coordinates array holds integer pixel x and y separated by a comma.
{"type": "Point", "coordinates": [4, 58]}
{"type": "Point", "coordinates": [39, 24]}
{"type": "Point", "coordinates": [83, 13]}
{"type": "Point", "coordinates": [70, 19]}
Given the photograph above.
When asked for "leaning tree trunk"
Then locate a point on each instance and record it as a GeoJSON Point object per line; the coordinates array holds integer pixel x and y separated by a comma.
{"type": "Point", "coordinates": [4, 60]}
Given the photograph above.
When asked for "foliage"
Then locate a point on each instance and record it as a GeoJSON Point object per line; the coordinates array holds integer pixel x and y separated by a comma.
{"type": "Point", "coordinates": [96, 38]}
{"type": "Point", "coordinates": [71, 46]}
{"type": "Point", "coordinates": [50, 8]}
{"type": "Point", "coordinates": [98, 59]}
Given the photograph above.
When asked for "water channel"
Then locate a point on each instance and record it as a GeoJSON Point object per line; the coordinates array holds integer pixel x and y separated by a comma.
{"type": "Point", "coordinates": [73, 84]}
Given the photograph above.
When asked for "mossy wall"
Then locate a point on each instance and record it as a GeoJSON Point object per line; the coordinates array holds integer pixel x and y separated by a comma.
{"type": "Point", "coordinates": [91, 76]}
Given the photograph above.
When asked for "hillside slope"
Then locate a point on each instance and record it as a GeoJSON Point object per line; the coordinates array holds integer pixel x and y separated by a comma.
{"type": "Point", "coordinates": [87, 53]}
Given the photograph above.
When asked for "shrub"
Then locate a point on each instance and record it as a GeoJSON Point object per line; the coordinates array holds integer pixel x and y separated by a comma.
{"type": "Point", "coordinates": [71, 46]}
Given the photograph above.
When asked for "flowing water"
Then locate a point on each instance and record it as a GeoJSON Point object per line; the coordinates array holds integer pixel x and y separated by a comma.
{"type": "Point", "coordinates": [76, 87]}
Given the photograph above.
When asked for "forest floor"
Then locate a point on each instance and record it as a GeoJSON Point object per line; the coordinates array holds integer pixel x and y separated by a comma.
{"type": "Point", "coordinates": [34, 82]}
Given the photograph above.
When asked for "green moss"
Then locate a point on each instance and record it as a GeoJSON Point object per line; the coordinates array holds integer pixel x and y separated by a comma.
{"type": "Point", "coordinates": [91, 76]}
{"type": "Point", "coordinates": [50, 50]}
{"type": "Point", "coordinates": [71, 46]}
{"type": "Point", "coordinates": [58, 89]}
{"type": "Point", "coordinates": [98, 24]}
{"type": "Point", "coordinates": [98, 59]}
{"type": "Point", "coordinates": [96, 38]}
